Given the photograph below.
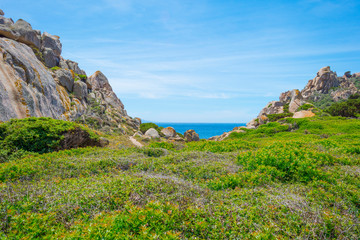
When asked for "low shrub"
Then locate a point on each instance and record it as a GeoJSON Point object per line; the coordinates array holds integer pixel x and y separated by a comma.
{"type": "Point", "coordinates": [36, 134]}
{"type": "Point", "coordinates": [146, 126]}
{"type": "Point", "coordinates": [349, 108]}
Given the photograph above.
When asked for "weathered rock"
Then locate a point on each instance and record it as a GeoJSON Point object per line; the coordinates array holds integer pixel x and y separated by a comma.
{"type": "Point", "coordinates": [152, 133]}
{"type": "Point", "coordinates": [27, 34]}
{"type": "Point", "coordinates": [28, 88]}
{"type": "Point", "coordinates": [99, 82]}
{"type": "Point", "coordinates": [356, 75]}
{"type": "Point", "coordinates": [296, 100]}
{"type": "Point", "coordinates": [75, 67]}
{"type": "Point", "coordinates": [176, 139]}
{"type": "Point", "coordinates": [303, 114]}
{"type": "Point", "coordinates": [169, 132]}
{"type": "Point", "coordinates": [51, 60]}
{"type": "Point", "coordinates": [63, 64]}
{"type": "Point", "coordinates": [254, 123]}
{"type": "Point", "coordinates": [274, 107]}
{"type": "Point", "coordinates": [191, 135]}
{"type": "Point", "coordinates": [80, 90]}
{"type": "Point", "coordinates": [51, 42]}
{"type": "Point", "coordinates": [322, 83]}
{"type": "Point", "coordinates": [2, 13]}
{"type": "Point", "coordinates": [65, 79]}
{"type": "Point", "coordinates": [6, 22]}
{"type": "Point", "coordinates": [30, 91]}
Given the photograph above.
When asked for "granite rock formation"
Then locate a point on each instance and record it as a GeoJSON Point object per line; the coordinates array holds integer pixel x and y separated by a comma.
{"type": "Point", "coordinates": [35, 80]}
{"type": "Point", "coordinates": [325, 84]}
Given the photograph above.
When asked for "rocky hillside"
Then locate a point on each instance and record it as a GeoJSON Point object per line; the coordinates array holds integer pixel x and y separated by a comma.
{"type": "Point", "coordinates": [35, 80]}
{"type": "Point", "coordinates": [320, 92]}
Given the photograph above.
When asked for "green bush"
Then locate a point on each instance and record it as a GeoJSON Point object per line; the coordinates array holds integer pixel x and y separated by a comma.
{"type": "Point", "coordinates": [35, 134]}
{"type": "Point", "coordinates": [306, 106]}
{"type": "Point", "coordinates": [275, 117]}
{"type": "Point", "coordinates": [146, 126]}
{"type": "Point", "coordinates": [349, 108]}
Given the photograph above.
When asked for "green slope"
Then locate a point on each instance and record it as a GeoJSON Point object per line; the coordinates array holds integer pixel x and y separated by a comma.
{"type": "Point", "coordinates": [299, 179]}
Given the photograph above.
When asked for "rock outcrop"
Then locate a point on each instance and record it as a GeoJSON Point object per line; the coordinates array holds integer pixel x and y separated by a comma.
{"type": "Point", "coordinates": [152, 133]}
{"type": "Point", "coordinates": [191, 135]}
{"type": "Point", "coordinates": [35, 80]}
{"type": "Point", "coordinates": [169, 132]}
{"type": "Point", "coordinates": [325, 84]}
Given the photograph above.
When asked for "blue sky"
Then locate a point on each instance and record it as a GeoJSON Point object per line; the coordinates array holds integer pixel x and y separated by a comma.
{"type": "Point", "coordinates": [203, 60]}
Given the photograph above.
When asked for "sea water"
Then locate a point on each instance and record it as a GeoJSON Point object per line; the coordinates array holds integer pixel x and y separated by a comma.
{"type": "Point", "coordinates": [205, 130]}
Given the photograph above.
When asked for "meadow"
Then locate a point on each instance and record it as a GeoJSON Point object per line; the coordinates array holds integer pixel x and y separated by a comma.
{"type": "Point", "coordinates": [293, 179]}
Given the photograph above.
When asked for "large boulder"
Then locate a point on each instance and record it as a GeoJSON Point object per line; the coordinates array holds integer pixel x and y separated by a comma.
{"type": "Point", "coordinates": [50, 59]}
{"type": "Point", "coordinates": [2, 13]}
{"type": "Point", "coordinates": [27, 34]}
{"type": "Point", "coordinates": [322, 83]}
{"type": "Point", "coordinates": [152, 133]}
{"type": "Point", "coordinates": [80, 90]}
{"type": "Point", "coordinates": [169, 132]}
{"type": "Point", "coordinates": [304, 114]}
{"type": "Point", "coordinates": [51, 42]}
{"type": "Point", "coordinates": [65, 78]}
{"type": "Point", "coordinates": [191, 135]}
{"type": "Point", "coordinates": [99, 81]}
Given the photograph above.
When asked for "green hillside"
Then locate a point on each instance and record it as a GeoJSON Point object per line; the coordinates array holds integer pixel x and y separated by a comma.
{"type": "Point", "coordinates": [299, 179]}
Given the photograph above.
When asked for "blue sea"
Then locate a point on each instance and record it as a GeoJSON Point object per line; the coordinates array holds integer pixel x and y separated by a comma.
{"type": "Point", "coordinates": [205, 130]}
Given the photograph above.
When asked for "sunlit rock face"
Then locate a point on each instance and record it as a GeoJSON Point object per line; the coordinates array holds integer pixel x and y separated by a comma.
{"type": "Point", "coordinates": [36, 81]}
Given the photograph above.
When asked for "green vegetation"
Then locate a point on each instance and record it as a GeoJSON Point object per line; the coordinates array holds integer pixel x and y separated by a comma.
{"type": "Point", "coordinates": [323, 101]}
{"type": "Point", "coordinates": [294, 179]}
{"type": "Point", "coordinates": [55, 68]}
{"type": "Point", "coordinates": [306, 106]}
{"type": "Point", "coordinates": [356, 81]}
{"type": "Point", "coordinates": [277, 116]}
{"type": "Point", "coordinates": [146, 126]}
{"type": "Point", "coordinates": [349, 108]}
{"type": "Point", "coordinates": [39, 135]}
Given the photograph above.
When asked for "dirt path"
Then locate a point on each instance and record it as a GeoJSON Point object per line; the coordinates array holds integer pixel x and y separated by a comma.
{"type": "Point", "coordinates": [135, 142]}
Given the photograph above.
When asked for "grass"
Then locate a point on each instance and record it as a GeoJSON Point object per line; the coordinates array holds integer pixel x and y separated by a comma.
{"type": "Point", "coordinates": [299, 179]}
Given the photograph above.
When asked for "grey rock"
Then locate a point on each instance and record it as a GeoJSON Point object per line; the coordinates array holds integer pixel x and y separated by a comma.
{"type": "Point", "coordinates": [50, 58]}
{"type": "Point", "coordinates": [80, 90]}
{"type": "Point", "coordinates": [99, 81]}
{"type": "Point", "coordinates": [27, 34]}
{"type": "Point", "coordinates": [31, 91]}
{"type": "Point", "coordinates": [63, 64]}
{"type": "Point", "coordinates": [65, 78]}
{"type": "Point", "coordinates": [51, 42]}
{"type": "Point", "coordinates": [75, 67]}
{"type": "Point", "coordinates": [152, 133]}
{"type": "Point", "coordinates": [6, 21]}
